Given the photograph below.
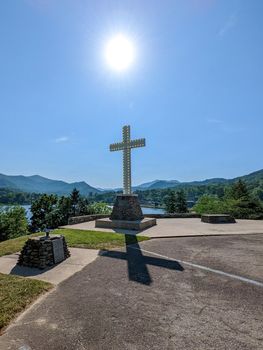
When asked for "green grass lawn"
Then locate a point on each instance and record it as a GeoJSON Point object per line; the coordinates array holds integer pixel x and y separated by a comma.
{"type": "Point", "coordinates": [16, 293]}
{"type": "Point", "coordinates": [76, 238]}
{"type": "Point", "coordinates": [13, 245]}
{"type": "Point", "coordinates": [95, 239]}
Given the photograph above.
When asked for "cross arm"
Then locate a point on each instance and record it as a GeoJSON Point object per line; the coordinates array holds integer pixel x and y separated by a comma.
{"type": "Point", "coordinates": [137, 143]}
{"type": "Point", "coordinates": [117, 146]}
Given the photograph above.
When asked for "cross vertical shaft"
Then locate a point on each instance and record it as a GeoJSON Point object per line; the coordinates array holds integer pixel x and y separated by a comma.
{"type": "Point", "coordinates": [126, 137]}
{"type": "Point", "coordinates": [126, 145]}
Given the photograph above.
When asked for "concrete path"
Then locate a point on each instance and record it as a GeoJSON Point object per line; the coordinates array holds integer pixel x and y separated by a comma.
{"type": "Point", "coordinates": [56, 274]}
{"type": "Point", "coordinates": [185, 227]}
{"type": "Point", "coordinates": [172, 294]}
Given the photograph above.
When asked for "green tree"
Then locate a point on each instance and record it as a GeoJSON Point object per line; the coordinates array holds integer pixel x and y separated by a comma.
{"type": "Point", "coordinates": [75, 197]}
{"type": "Point", "coordinates": [170, 202]}
{"type": "Point", "coordinates": [180, 202]}
{"type": "Point", "coordinates": [83, 206]}
{"type": "Point", "coordinates": [13, 223]}
{"type": "Point", "coordinates": [41, 210]}
{"type": "Point", "coordinates": [238, 190]}
{"type": "Point", "coordinates": [49, 211]}
{"type": "Point", "coordinates": [64, 209]}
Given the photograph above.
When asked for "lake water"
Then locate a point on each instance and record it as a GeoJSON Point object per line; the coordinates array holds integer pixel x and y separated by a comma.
{"type": "Point", "coordinates": [28, 211]}
{"type": "Point", "coordinates": [144, 210]}
{"type": "Point", "coordinates": [152, 210]}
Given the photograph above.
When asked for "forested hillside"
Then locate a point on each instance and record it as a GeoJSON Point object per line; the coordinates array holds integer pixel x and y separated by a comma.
{"type": "Point", "coordinates": [194, 190]}
{"type": "Point", "coordinates": [8, 197]}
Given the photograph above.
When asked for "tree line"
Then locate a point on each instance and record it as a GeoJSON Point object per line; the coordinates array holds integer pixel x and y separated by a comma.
{"type": "Point", "coordinates": [236, 200]}
{"type": "Point", "coordinates": [14, 197]}
{"type": "Point", "coordinates": [158, 197]}
{"type": "Point", "coordinates": [51, 211]}
{"type": "Point", "coordinates": [48, 212]}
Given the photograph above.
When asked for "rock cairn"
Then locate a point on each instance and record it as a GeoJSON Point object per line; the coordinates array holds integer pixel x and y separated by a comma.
{"type": "Point", "coordinates": [38, 252]}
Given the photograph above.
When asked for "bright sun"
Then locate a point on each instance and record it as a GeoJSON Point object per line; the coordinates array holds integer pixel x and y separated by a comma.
{"type": "Point", "coordinates": [119, 53]}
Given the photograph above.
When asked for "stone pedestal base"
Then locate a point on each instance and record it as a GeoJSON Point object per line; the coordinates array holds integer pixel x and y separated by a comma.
{"type": "Point", "coordinates": [126, 214]}
{"type": "Point", "coordinates": [137, 225]}
{"type": "Point", "coordinates": [217, 219]}
{"type": "Point", "coordinates": [127, 207]}
{"type": "Point", "coordinates": [42, 252]}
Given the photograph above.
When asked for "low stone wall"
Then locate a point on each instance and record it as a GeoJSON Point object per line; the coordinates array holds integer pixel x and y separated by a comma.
{"type": "Point", "coordinates": [173, 216]}
{"type": "Point", "coordinates": [85, 218]}
{"type": "Point", "coordinates": [218, 219]}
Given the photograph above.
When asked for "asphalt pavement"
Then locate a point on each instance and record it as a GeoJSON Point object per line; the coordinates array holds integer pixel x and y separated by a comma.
{"type": "Point", "coordinates": [181, 293]}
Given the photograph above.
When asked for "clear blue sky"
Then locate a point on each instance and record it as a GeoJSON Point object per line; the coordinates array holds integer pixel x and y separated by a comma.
{"type": "Point", "coordinates": [195, 91]}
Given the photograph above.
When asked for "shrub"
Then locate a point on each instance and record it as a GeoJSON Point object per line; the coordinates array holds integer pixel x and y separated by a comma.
{"type": "Point", "coordinates": [211, 205]}
{"type": "Point", "coordinates": [99, 208]}
{"type": "Point", "coordinates": [243, 208]}
{"type": "Point", "coordinates": [13, 223]}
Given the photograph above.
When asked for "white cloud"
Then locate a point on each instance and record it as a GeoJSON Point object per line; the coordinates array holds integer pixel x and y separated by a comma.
{"type": "Point", "coordinates": [62, 139]}
{"type": "Point", "coordinates": [228, 25]}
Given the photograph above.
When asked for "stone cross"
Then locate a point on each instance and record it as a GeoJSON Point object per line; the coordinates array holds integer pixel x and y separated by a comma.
{"type": "Point", "coordinates": [126, 145]}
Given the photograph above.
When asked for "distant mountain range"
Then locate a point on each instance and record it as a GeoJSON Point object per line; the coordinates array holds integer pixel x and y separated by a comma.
{"type": "Point", "coordinates": [39, 184]}
{"type": "Point", "coordinates": [157, 184]}
{"type": "Point", "coordinates": [161, 184]}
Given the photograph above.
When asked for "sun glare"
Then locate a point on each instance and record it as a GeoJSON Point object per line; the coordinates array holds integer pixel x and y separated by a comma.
{"type": "Point", "coordinates": [119, 53]}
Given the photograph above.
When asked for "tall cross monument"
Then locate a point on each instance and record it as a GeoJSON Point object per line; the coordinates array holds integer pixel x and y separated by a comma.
{"type": "Point", "coordinates": [126, 145]}
{"type": "Point", "coordinates": [126, 212]}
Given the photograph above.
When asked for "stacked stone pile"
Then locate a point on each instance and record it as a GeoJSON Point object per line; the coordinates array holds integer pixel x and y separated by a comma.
{"type": "Point", "coordinates": [38, 252]}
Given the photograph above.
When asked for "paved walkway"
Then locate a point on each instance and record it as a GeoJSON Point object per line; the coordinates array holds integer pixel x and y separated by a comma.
{"type": "Point", "coordinates": [173, 294]}
{"type": "Point", "coordinates": [56, 274]}
{"type": "Point", "coordinates": [185, 227]}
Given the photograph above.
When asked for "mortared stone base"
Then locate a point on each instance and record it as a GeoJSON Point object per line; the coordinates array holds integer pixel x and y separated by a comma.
{"type": "Point", "coordinates": [218, 219]}
{"type": "Point", "coordinates": [41, 252]}
{"type": "Point", "coordinates": [127, 207]}
{"type": "Point", "coordinates": [126, 214]}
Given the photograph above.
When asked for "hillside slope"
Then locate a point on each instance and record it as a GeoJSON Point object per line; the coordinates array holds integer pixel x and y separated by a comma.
{"type": "Point", "coordinates": [39, 184]}
{"type": "Point", "coordinates": [256, 176]}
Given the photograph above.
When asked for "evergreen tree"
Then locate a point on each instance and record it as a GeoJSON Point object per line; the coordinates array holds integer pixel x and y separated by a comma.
{"type": "Point", "coordinates": [239, 190]}
{"type": "Point", "coordinates": [75, 197]}
{"type": "Point", "coordinates": [180, 202]}
{"type": "Point", "coordinates": [170, 202]}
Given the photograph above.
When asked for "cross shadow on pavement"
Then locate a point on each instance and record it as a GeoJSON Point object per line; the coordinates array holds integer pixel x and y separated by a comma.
{"type": "Point", "coordinates": [137, 262]}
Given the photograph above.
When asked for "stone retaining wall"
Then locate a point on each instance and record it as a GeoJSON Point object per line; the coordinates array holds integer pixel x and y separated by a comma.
{"type": "Point", "coordinates": [173, 216]}
{"type": "Point", "coordinates": [85, 218]}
